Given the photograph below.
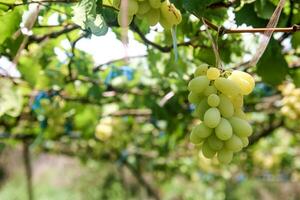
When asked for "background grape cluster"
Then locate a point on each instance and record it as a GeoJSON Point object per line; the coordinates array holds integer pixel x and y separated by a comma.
{"type": "Point", "coordinates": [153, 11]}
{"type": "Point", "coordinates": [218, 97]}
{"type": "Point", "coordinates": [290, 101]}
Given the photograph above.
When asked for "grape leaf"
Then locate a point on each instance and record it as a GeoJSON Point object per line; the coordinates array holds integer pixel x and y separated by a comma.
{"type": "Point", "coordinates": [272, 66]}
{"type": "Point", "coordinates": [296, 40]}
{"type": "Point", "coordinates": [86, 17]}
{"type": "Point", "coordinates": [9, 23]}
{"type": "Point", "coordinates": [264, 9]}
{"type": "Point", "coordinates": [196, 8]}
{"type": "Point", "coordinates": [248, 16]}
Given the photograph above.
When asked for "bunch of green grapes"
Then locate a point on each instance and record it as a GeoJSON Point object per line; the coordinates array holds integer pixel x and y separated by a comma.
{"type": "Point", "coordinates": [218, 97]}
{"type": "Point", "coordinates": [291, 101]}
{"type": "Point", "coordinates": [153, 11]}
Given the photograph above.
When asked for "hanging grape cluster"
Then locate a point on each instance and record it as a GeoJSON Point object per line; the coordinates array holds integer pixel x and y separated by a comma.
{"type": "Point", "coordinates": [153, 11]}
{"type": "Point", "coordinates": [291, 101]}
{"type": "Point", "coordinates": [218, 97]}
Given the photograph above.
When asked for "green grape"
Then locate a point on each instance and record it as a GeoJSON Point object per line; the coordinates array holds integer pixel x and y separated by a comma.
{"type": "Point", "coordinates": [210, 90]}
{"type": "Point", "coordinates": [240, 127]}
{"type": "Point", "coordinates": [240, 114]}
{"type": "Point", "coordinates": [247, 77]}
{"type": "Point", "coordinates": [213, 100]}
{"type": "Point", "coordinates": [199, 133]}
{"type": "Point", "coordinates": [126, 21]}
{"type": "Point", "coordinates": [170, 13]}
{"type": "Point", "coordinates": [214, 143]}
{"type": "Point", "coordinates": [201, 109]}
{"type": "Point", "coordinates": [201, 70]}
{"type": "Point", "coordinates": [144, 7]}
{"type": "Point", "coordinates": [224, 130]}
{"type": "Point", "coordinates": [212, 117]}
{"type": "Point", "coordinates": [164, 23]}
{"type": "Point", "coordinates": [225, 156]}
{"type": "Point", "coordinates": [207, 151]}
{"type": "Point", "coordinates": [243, 84]}
{"type": "Point", "coordinates": [234, 144]}
{"type": "Point", "coordinates": [213, 73]}
{"type": "Point", "coordinates": [225, 106]}
{"type": "Point", "coordinates": [152, 17]}
{"type": "Point", "coordinates": [237, 101]}
{"type": "Point", "coordinates": [116, 3]}
{"type": "Point", "coordinates": [132, 7]}
{"type": "Point", "coordinates": [155, 3]}
{"type": "Point", "coordinates": [227, 86]}
{"type": "Point", "coordinates": [198, 84]}
{"type": "Point", "coordinates": [245, 141]}
{"type": "Point", "coordinates": [194, 98]}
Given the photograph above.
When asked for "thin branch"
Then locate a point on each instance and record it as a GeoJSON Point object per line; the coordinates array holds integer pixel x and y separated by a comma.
{"type": "Point", "coordinates": [164, 49]}
{"type": "Point", "coordinates": [151, 191]}
{"type": "Point", "coordinates": [223, 30]}
{"type": "Point", "coordinates": [66, 29]}
{"type": "Point", "coordinates": [265, 132]}
{"type": "Point", "coordinates": [98, 67]}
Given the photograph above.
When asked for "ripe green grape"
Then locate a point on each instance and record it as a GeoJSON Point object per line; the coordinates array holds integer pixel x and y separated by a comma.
{"type": "Point", "coordinates": [225, 156]}
{"type": "Point", "coordinates": [198, 84]}
{"type": "Point", "coordinates": [240, 114]}
{"type": "Point", "coordinates": [199, 133]}
{"type": "Point", "coordinates": [201, 108]}
{"type": "Point", "coordinates": [214, 142]}
{"type": "Point", "coordinates": [243, 84]}
{"type": "Point", "coordinates": [234, 143]}
{"type": "Point", "coordinates": [225, 106]}
{"type": "Point", "coordinates": [240, 127]}
{"type": "Point", "coordinates": [245, 141]}
{"type": "Point", "coordinates": [152, 17]}
{"type": "Point", "coordinates": [155, 3]}
{"type": "Point", "coordinates": [227, 87]}
{"type": "Point", "coordinates": [124, 22]}
{"type": "Point", "coordinates": [237, 101]}
{"type": "Point", "coordinates": [212, 117]}
{"type": "Point", "coordinates": [224, 130]}
{"type": "Point", "coordinates": [213, 73]}
{"type": "Point", "coordinates": [164, 23]}
{"type": "Point", "coordinates": [116, 3]}
{"type": "Point", "coordinates": [207, 151]}
{"type": "Point", "coordinates": [144, 7]}
{"type": "Point", "coordinates": [170, 13]}
{"type": "Point", "coordinates": [194, 98]}
{"type": "Point", "coordinates": [210, 90]}
{"type": "Point", "coordinates": [213, 100]}
{"type": "Point", "coordinates": [247, 77]}
{"type": "Point", "coordinates": [201, 70]}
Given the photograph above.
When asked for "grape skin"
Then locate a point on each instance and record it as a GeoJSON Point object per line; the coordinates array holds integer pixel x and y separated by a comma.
{"type": "Point", "coordinates": [225, 156]}
{"type": "Point", "coordinates": [225, 106]}
{"type": "Point", "coordinates": [212, 117]}
{"type": "Point", "coordinates": [224, 130]}
{"type": "Point", "coordinates": [213, 100]}
{"type": "Point", "coordinates": [198, 84]}
{"type": "Point", "coordinates": [213, 73]}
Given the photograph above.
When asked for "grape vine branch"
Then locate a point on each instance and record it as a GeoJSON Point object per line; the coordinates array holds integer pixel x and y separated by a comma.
{"type": "Point", "coordinates": [222, 30]}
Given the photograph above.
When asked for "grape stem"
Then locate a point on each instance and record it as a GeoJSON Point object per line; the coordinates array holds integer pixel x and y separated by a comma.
{"type": "Point", "coordinates": [222, 30]}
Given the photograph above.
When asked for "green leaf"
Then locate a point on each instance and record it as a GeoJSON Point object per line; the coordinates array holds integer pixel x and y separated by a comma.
{"type": "Point", "coordinates": [296, 40]}
{"type": "Point", "coordinates": [30, 69]}
{"type": "Point", "coordinates": [9, 23]}
{"type": "Point", "coordinates": [272, 66]}
{"type": "Point", "coordinates": [197, 8]}
{"type": "Point", "coordinates": [264, 9]}
{"type": "Point", "coordinates": [295, 73]}
{"type": "Point", "coordinates": [85, 16]}
{"type": "Point", "coordinates": [248, 16]}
